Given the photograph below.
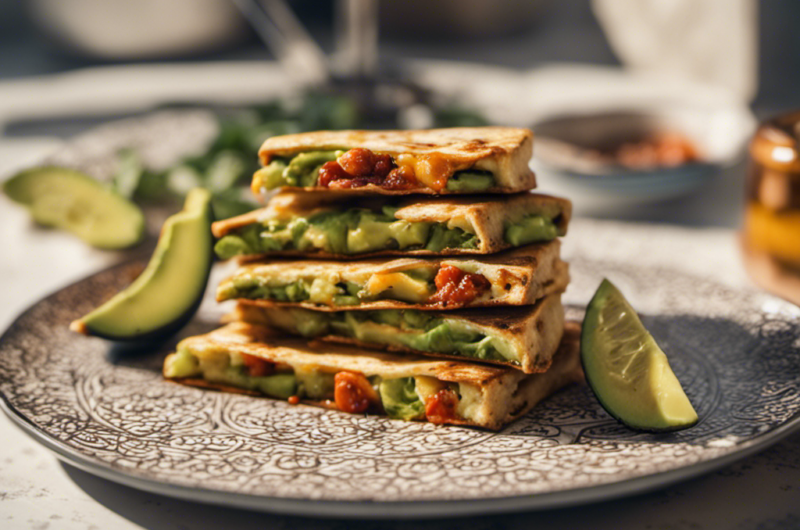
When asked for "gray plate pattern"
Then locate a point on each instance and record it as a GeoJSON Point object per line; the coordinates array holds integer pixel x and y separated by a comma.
{"type": "Point", "coordinates": [107, 410]}
{"type": "Point", "coordinates": [110, 410]}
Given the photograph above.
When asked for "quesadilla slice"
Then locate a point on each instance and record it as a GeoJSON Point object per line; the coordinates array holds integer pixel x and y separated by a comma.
{"type": "Point", "coordinates": [436, 161]}
{"type": "Point", "coordinates": [523, 337]}
{"type": "Point", "coordinates": [244, 357]}
{"type": "Point", "coordinates": [516, 277]}
{"type": "Point", "coordinates": [332, 225]}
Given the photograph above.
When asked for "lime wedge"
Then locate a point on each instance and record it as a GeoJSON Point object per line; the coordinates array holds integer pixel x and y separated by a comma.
{"type": "Point", "coordinates": [626, 370]}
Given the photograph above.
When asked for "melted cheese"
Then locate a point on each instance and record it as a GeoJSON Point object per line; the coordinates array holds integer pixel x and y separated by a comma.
{"type": "Point", "coordinates": [499, 282]}
{"type": "Point", "coordinates": [317, 237]}
{"type": "Point", "coordinates": [322, 291]}
{"type": "Point", "coordinates": [470, 402]}
{"type": "Point", "coordinates": [461, 222]}
{"type": "Point", "coordinates": [403, 287]}
{"type": "Point", "coordinates": [431, 169]}
{"type": "Point", "coordinates": [427, 386]}
{"type": "Point", "coordinates": [283, 207]}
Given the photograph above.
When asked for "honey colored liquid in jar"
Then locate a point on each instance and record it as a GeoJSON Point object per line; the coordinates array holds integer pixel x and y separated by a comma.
{"type": "Point", "coordinates": [771, 235]}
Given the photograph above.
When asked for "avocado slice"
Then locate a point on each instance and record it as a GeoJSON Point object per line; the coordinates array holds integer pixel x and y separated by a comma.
{"type": "Point", "coordinates": [625, 368]}
{"type": "Point", "coordinates": [166, 295]}
{"type": "Point", "coordinates": [400, 400]}
{"type": "Point", "coordinates": [532, 229]}
{"type": "Point", "coordinates": [75, 202]}
{"type": "Point", "coordinates": [470, 181]}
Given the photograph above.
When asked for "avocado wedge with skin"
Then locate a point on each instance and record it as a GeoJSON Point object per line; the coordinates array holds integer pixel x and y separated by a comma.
{"type": "Point", "coordinates": [627, 371]}
{"type": "Point", "coordinates": [72, 201]}
{"type": "Point", "coordinates": [167, 293]}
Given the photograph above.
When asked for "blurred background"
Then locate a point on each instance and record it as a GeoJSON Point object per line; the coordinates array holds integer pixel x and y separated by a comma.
{"type": "Point", "coordinates": [669, 88]}
{"type": "Point", "coordinates": [46, 37]}
{"type": "Point", "coordinates": [643, 109]}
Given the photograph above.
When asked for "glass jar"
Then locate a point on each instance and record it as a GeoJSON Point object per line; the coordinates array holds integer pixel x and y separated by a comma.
{"type": "Point", "coordinates": [771, 235]}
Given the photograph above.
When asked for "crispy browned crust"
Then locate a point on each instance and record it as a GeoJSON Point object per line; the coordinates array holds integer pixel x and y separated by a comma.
{"type": "Point", "coordinates": [566, 369]}
{"type": "Point", "coordinates": [222, 228]}
{"type": "Point", "coordinates": [532, 291]}
{"type": "Point", "coordinates": [534, 330]}
{"type": "Point", "coordinates": [505, 151]}
{"type": "Point", "coordinates": [525, 256]}
{"type": "Point", "coordinates": [508, 394]}
{"type": "Point", "coordinates": [523, 275]}
{"type": "Point", "coordinates": [488, 215]}
{"type": "Point", "coordinates": [526, 182]}
{"type": "Point", "coordinates": [460, 144]}
{"type": "Point", "coordinates": [272, 345]}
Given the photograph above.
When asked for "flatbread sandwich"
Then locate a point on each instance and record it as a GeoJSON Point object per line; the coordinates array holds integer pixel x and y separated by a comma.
{"type": "Point", "coordinates": [441, 161]}
{"type": "Point", "coordinates": [255, 359]}
{"type": "Point", "coordinates": [524, 337]}
{"type": "Point", "coordinates": [515, 277]}
{"type": "Point", "coordinates": [337, 226]}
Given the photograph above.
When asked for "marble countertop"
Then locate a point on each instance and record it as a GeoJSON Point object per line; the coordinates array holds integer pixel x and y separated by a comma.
{"type": "Point", "coordinates": [37, 491]}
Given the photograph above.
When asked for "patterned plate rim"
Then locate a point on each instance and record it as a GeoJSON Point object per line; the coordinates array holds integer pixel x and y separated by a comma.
{"type": "Point", "coordinates": [385, 509]}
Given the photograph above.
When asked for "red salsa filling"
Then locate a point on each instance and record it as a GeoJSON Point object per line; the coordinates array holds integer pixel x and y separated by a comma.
{"type": "Point", "coordinates": [441, 407]}
{"type": "Point", "coordinates": [353, 392]}
{"type": "Point", "coordinates": [456, 287]}
{"type": "Point", "coordinates": [359, 167]}
{"type": "Point", "coordinates": [256, 366]}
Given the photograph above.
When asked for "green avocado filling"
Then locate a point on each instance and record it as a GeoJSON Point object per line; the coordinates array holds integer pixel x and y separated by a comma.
{"type": "Point", "coordinates": [302, 170]}
{"type": "Point", "coordinates": [228, 369]}
{"type": "Point", "coordinates": [251, 288]}
{"type": "Point", "coordinates": [470, 181]}
{"type": "Point", "coordinates": [320, 291]}
{"type": "Point", "coordinates": [418, 330]}
{"type": "Point", "coordinates": [399, 397]}
{"type": "Point", "coordinates": [351, 231]}
{"type": "Point", "coordinates": [530, 229]}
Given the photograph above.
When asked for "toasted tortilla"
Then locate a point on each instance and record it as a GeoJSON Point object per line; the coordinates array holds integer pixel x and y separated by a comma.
{"type": "Point", "coordinates": [533, 331]}
{"type": "Point", "coordinates": [487, 215]}
{"type": "Point", "coordinates": [518, 277]}
{"type": "Point", "coordinates": [503, 151]}
{"type": "Point", "coordinates": [499, 395]}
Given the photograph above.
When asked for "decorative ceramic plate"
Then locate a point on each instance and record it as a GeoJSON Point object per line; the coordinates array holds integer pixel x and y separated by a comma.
{"type": "Point", "coordinates": [108, 411]}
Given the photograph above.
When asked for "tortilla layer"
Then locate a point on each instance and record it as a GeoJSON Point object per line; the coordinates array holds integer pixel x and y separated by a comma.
{"type": "Point", "coordinates": [503, 151]}
{"type": "Point", "coordinates": [532, 332]}
{"type": "Point", "coordinates": [500, 394]}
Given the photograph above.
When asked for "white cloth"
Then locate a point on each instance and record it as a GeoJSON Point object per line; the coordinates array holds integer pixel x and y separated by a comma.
{"type": "Point", "coordinates": [714, 41]}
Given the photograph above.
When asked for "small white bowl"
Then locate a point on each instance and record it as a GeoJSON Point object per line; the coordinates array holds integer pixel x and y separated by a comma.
{"type": "Point", "coordinates": [710, 117]}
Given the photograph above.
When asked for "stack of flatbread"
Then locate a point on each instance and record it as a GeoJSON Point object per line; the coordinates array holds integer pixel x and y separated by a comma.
{"type": "Point", "coordinates": [405, 273]}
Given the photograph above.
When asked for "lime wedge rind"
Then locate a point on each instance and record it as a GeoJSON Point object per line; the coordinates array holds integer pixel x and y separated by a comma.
{"type": "Point", "coordinates": [627, 370]}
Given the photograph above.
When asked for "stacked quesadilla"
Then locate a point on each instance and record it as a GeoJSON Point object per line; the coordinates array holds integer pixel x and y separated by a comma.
{"type": "Point", "coordinates": [405, 273]}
